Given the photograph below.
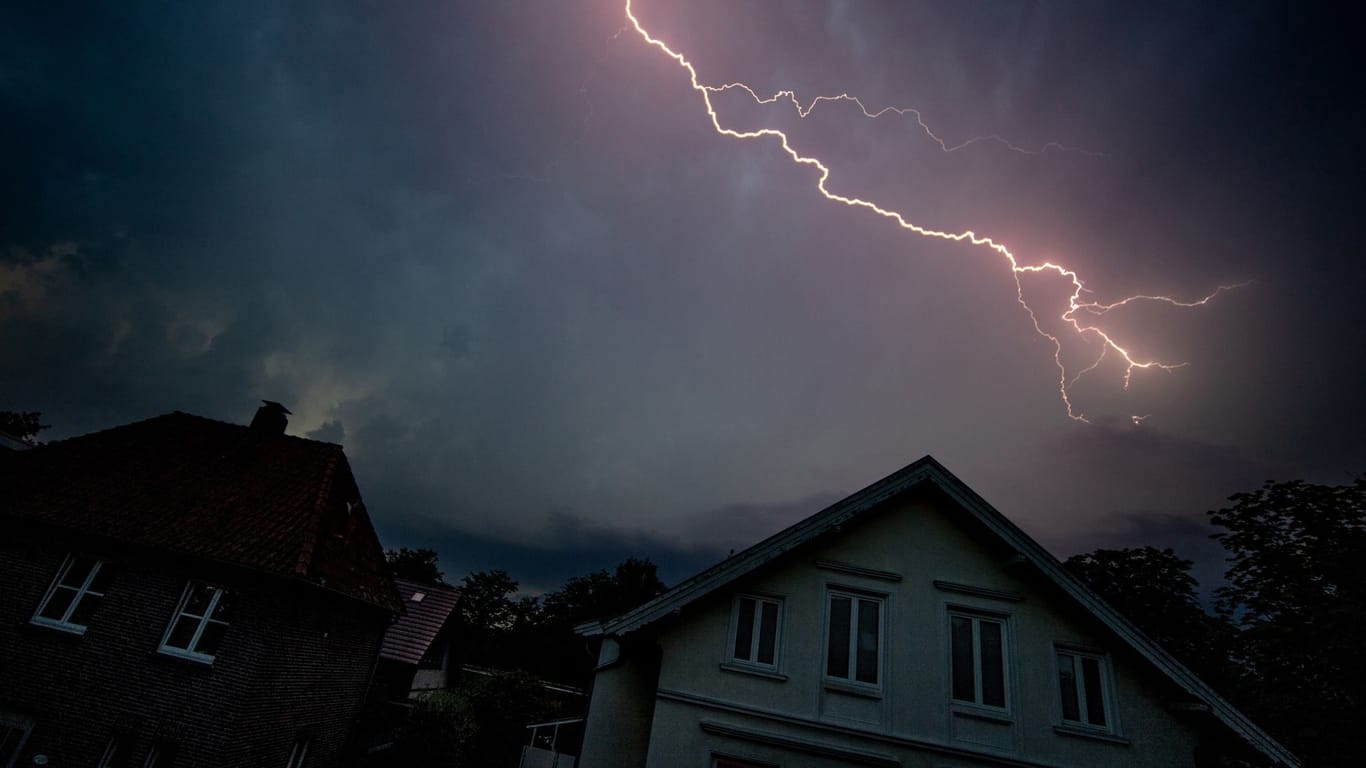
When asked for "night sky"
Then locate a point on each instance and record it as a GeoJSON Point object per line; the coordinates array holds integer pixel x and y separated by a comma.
{"type": "Point", "coordinates": [498, 251]}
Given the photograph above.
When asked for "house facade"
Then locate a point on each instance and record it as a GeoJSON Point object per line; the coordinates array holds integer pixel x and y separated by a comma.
{"type": "Point", "coordinates": [181, 591]}
{"type": "Point", "coordinates": [908, 625]}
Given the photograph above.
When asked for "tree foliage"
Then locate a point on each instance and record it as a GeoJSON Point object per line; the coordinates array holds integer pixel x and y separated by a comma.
{"type": "Point", "coordinates": [24, 425]}
{"type": "Point", "coordinates": [415, 564]}
{"type": "Point", "coordinates": [601, 594]}
{"type": "Point", "coordinates": [500, 628]}
{"type": "Point", "coordinates": [1297, 593]}
{"type": "Point", "coordinates": [1154, 589]}
{"type": "Point", "coordinates": [481, 721]}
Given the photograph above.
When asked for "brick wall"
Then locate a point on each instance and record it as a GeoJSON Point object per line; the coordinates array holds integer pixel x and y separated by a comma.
{"type": "Point", "coordinates": [295, 659]}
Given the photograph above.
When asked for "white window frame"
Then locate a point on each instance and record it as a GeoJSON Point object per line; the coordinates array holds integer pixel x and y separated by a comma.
{"type": "Point", "coordinates": [206, 619]}
{"type": "Point", "coordinates": [9, 723]}
{"type": "Point", "coordinates": [111, 751]}
{"type": "Point", "coordinates": [855, 595]}
{"type": "Point", "coordinates": [1107, 690]}
{"type": "Point", "coordinates": [64, 623]}
{"type": "Point", "coordinates": [977, 617]}
{"type": "Point", "coordinates": [299, 753]}
{"type": "Point", "coordinates": [756, 618]}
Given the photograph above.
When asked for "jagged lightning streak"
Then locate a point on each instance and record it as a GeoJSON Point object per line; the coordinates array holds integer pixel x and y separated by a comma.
{"type": "Point", "coordinates": [1075, 304]}
{"type": "Point", "coordinates": [791, 96]}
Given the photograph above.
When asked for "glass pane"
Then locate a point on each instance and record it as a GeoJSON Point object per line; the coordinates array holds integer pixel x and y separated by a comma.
{"type": "Point", "coordinates": [867, 641]}
{"type": "Point", "coordinates": [768, 633]}
{"type": "Point", "coordinates": [1095, 700]}
{"type": "Point", "coordinates": [84, 609]}
{"type": "Point", "coordinates": [961, 642]}
{"type": "Point", "coordinates": [56, 606]}
{"type": "Point", "coordinates": [744, 629]}
{"type": "Point", "coordinates": [223, 611]}
{"type": "Point", "coordinates": [101, 581]}
{"type": "Point", "coordinates": [75, 575]}
{"type": "Point", "coordinates": [1067, 686]}
{"type": "Point", "coordinates": [993, 664]}
{"type": "Point", "coordinates": [198, 600]}
{"type": "Point", "coordinates": [182, 632]}
{"type": "Point", "coordinates": [211, 638]}
{"type": "Point", "coordinates": [837, 656]}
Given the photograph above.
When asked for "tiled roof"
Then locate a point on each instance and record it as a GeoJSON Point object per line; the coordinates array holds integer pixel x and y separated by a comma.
{"type": "Point", "coordinates": [408, 638]}
{"type": "Point", "coordinates": [277, 504]}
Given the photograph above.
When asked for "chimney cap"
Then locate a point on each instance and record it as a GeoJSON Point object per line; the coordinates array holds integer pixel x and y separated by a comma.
{"type": "Point", "coordinates": [277, 406]}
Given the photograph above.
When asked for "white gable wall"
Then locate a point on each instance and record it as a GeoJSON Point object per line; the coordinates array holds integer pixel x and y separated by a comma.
{"type": "Point", "coordinates": [703, 709]}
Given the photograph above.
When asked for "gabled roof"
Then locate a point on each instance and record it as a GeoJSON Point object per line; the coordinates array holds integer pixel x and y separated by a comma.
{"type": "Point", "coordinates": [207, 489]}
{"type": "Point", "coordinates": [408, 638]}
{"type": "Point", "coordinates": [929, 471]}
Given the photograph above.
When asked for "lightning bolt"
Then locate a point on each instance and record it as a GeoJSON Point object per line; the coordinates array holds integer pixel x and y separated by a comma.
{"type": "Point", "coordinates": [1077, 308]}
{"type": "Point", "coordinates": [804, 111]}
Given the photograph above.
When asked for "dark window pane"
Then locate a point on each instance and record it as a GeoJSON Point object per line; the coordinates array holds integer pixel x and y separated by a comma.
{"type": "Point", "coordinates": [198, 601]}
{"type": "Point", "coordinates": [56, 606]}
{"type": "Point", "coordinates": [837, 658]}
{"type": "Point", "coordinates": [182, 632]}
{"type": "Point", "coordinates": [768, 633]}
{"type": "Point", "coordinates": [101, 581]}
{"type": "Point", "coordinates": [223, 610]}
{"type": "Point", "coordinates": [1067, 686]}
{"type": "Point", "coordinates": [993, 664]}
{"type": "Point", "coordinates": [75, 575]}
{"type": "Point", "coordinates": [744, 629]}
{"type": "Point", "coordinates": [211, 638]}
{"type": "Point", "coordinates": [84, 609]}
{"type": "Point", "coordinates": [1095, 700]}
{"type": "Point", "coordinates": [961, 642]}
{"type": "Point", "coordinates": [867, 642]}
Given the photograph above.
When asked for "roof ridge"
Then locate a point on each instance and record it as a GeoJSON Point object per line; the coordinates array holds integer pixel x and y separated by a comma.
{"type": "Point", "coordinates": [180, 414]}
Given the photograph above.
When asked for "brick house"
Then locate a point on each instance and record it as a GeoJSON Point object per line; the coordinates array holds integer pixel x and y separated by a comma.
{"type": "Point", "coordinates": [185, 591]}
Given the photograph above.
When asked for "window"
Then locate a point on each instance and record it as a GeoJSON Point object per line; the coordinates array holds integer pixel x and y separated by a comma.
{"type": "Point", "coordinates": [161, 755]}
{"type": "Point", "coordinates": [978, 666]}
{"type": "Point", "coordinates": [1083, 689]}
{"type": "Point", "coordinates": [756, 625]}
{"type": "Point", "coordinates": [854, 640]}
{"type": "Point", "coordinates": [199, 624]}
{"type": "Point", "coordinates": [299, 753]}
{"type": "Point", "coordinates": [113, 755]}
{"type": "Point", "coordinates": [14, 730]}
{"type": "Point", "coordinates": [74, 594]}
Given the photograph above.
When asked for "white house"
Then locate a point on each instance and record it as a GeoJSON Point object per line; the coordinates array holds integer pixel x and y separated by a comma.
{"type": "Point", "coordinates": [910, 624]}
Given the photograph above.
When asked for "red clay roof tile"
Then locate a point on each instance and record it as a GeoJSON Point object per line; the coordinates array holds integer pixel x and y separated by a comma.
{"type": "Point", "coordinates": [282, 505]}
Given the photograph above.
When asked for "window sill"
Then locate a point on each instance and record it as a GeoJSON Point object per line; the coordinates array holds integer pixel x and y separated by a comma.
{"type": "Point", "coordinates": [960, 709]}
{"type": "Point", "coordinates": [1087, 733]}
{"type": "Point", "coordinates": [66, 629]}
{"type": "Point", "coordinates": [754, 671]}
{"type": "Point", "coordinates": [196, 659]}
{"type": "Point", "coordinates": [852, 689]}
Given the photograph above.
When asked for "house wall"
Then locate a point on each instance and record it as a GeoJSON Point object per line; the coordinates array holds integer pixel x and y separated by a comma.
{"type": "Point", "coordinates": [274, 673]}
{"type": "Point", "coordinates": [621, 706]}
{"type": "Point", "coordinates": [800, 719]}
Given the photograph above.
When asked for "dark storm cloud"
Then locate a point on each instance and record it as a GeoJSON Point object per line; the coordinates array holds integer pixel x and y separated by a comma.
{"type": "Point", "coordinates": [497, 251]}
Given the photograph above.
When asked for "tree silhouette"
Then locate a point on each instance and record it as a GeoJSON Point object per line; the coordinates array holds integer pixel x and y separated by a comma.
{"type": "Point", "coordinates": [1297, 593]}
{"type": "Point", "coordinates": [415, 564]}
{"type": "Point", "coordinates": [24, 425]}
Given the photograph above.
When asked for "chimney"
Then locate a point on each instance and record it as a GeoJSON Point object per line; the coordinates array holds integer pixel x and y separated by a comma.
{"type": "Point", "coordinates": [270, 419]}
